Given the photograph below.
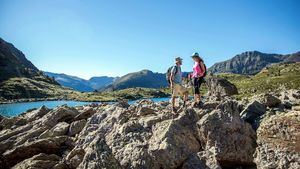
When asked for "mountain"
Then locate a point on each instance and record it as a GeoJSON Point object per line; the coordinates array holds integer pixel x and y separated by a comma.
{"type": "Point", "coordinates": [94, 83]}
{"type": "Point", "coordinates": [251, 62]}
{"type": "Point", "coordinates": [101, 81]}
{"type": "Point", "coordinates": [13, 62]}
{"type": "Point", "coordinates": [71, 81]}
{"type": "Point", "coordinates": [19, 78]}
{"type": "Point", "coordinates": [144, 78]}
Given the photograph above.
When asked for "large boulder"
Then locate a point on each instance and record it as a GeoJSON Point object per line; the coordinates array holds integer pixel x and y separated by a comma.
{"type": "Point", "coordinates": [76, 127]}
{"type": "Point", "coordinates": [271, 100]}
{"type": "Point", "coordinates": [35, 114]}
{"type": "Point", "coordinates": [252, 113]}
{"type": "Point", "coordinates": [220, 87]}
{"type": "Point", "coordinates": [40, 161]}
{"type": "Point", "coordinates": [29, 149]}
{"type": "Point", "coordinates": [278, 141]}
{"type": "Point", "coordinates": [75, 157]}
{"type": "Point", "coordinates": [202, 160]}
{"type": "Point", "coordinates": [60, 114]}
{"type": "Point", "coordinates": [173, 141]}
{"type": "Point", "coordinates": [143, 111]}
{"type": "Point", "coordinates": [99, 155]}
{"type": "Point", "coordinates": [232, 138]}
{"type": "Point", "coordinates": [58, 130]}
{"type": "Point", "coordinates": [85, 113]}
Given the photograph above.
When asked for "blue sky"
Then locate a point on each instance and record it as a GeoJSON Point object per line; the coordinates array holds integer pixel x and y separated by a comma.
{"type": "Point", "coordinates": [92, 37]}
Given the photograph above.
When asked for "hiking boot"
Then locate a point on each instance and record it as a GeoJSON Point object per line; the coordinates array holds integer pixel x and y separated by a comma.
{"type": "Point", "coordinates": [197, 104]}
{"type": "Point", "coordinates": [184, 104]}
{"type": "Point", "coordinates": [174, 110]}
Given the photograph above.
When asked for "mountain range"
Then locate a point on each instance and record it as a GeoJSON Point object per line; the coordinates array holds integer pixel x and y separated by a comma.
{"type": "Point", "coordinates": [251, 62]}
{"type": "Point", "coordinates": [94, 83]}
{"type": "Point", "coordinates": [20, 78]}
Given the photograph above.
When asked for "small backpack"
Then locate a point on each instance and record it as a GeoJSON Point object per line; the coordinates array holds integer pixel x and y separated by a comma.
{"type": "Point", "coordinates": [205, 71]}
{"type": "Point", "coordinates": [168, 74]}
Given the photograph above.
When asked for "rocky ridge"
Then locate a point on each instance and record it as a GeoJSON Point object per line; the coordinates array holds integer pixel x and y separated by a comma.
{"type": "Point", "coordinates": [147, 135]}
{"type": "Point", "coordinates": [252, 62]}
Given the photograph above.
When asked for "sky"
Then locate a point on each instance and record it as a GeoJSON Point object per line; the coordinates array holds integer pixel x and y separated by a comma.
{"type": "Point", "coordinates": [89, 38]}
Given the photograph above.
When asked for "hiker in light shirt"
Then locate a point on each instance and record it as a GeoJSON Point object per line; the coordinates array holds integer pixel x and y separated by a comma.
{"type": "Point", "coordinates": [176, 84]}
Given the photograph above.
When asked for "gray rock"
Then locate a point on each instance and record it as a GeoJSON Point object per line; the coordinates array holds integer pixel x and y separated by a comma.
{"type": "Point", "coordinates": [76, 127]}
{"type": "Point", "coordinates": [59, 114]}
{"type": "Point", "coordinates": [201, 160]}
{"type": "Point", "coordinates": [232, 138]}
{"type": "Point", "coordinates": [143, 111]}
{"type": "Point", "coordinates": [173, 141]}
{"type": "Point", "coordinates": [29, 149]}
{"type": "Point", "coordinates": [58, 130]}
{"type": "Point", "coordinates": [35, 114]}
{"type": "Point", "coordinates": [85, 113]}
{"type": "Point", "coordinates": [122, 104]}
{"type": "Point", "coordinates": [278, 141]}
{"type": "Point", "coordinates": [75, 157]}
{"type": "Point", "coordinates": [271, 100]}
{"type": "Point", "coordinates": [40, 161]}
{"type": "Point", "coordinates": [219, 87]}
{"type": "Point", "coordinates": [253, 112]}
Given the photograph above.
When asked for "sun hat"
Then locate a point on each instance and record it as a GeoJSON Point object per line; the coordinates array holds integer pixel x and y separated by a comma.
{"type": "Point", "coordinates": [178, 59]}
{"type": "Point", "coordinates": [196, 54]}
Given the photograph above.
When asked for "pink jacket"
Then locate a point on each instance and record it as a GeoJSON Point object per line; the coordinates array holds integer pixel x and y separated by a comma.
{"type": "Point", "coordinates": [197, 72]}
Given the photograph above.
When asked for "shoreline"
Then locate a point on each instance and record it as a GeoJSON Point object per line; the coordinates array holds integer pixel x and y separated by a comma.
{"type": "Point", "coordinates": [66, 99]}
{"type": "Point", "coordinates": [49, 99]}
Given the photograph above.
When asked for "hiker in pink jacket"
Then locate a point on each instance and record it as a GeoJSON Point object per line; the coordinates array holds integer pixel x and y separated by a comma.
{"type": "Point", "coordinates": [199, 72]}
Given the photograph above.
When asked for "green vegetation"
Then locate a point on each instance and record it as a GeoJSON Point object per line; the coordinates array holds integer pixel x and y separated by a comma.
{"type": "Point", "coordinates": [28, 88]}
{"type": "Point", "coordinates": [274, 78]}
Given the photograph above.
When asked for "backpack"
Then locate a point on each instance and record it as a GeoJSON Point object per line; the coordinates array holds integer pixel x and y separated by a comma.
{"type": "Point", "coordinates": [168, 74]}
{"type": "Point", "coordinates": [205, 71]}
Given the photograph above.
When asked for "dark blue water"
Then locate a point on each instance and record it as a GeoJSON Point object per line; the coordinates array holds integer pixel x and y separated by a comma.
{"type": "Point", "coordinates": [14, 109]}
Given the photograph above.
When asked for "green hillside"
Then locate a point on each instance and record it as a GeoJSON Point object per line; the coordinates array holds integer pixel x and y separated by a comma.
{"type": "Point", "coordinates": [273, 78]}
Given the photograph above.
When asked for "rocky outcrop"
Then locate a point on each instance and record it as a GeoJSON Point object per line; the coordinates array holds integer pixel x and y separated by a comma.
{"type": "Point", "coordinates": [278, 139]}
{"type": "Point", "coordinates": [228, 136]}
{"type": "Point", "coordinates": [41, 161]}
{"type": "Point", "coordinates": [251, 62]}
{"type": "Point", "coordinates": [220, 87]}
{"type": "Point", "coordinates": [147, 135]}
{"type": "Point", "coordinates": [252, 113]}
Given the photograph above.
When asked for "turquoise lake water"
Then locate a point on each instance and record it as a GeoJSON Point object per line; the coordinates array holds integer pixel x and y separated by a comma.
{"type": "Point", "coordinates": [14, 109]}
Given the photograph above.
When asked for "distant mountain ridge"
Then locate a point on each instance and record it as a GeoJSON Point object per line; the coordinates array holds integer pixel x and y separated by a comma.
{"type": "Point", "coordinates": [74, 82]}
{"type": "Point", "coordinates": [251, 62]}
{"type": "Point", "coordinates": [143, 78]}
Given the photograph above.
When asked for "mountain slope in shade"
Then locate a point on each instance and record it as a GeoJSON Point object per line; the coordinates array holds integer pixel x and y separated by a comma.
{"type": "Point", "coordinates": [71, 81]}
{"type": "Point", "coordinates": [19, 78]}
{"type": "Point", "coordinates": [144, 78]}
{"type": "Point", "coordinates": [94, 83]}
{"type": "Point", "coordinates": [251, 62]}
{"type": "Point", "coordinates": [13, 62]}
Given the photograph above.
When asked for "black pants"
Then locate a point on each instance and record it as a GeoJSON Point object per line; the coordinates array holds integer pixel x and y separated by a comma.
{"type": "Point", "coordinates": [197, 84]}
